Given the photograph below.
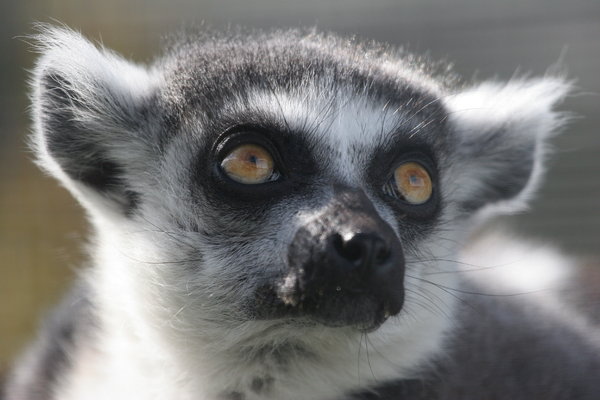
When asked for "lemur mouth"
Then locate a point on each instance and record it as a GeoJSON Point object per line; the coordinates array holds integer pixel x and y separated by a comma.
{"type": "Point", "coordinates": [331, 306]}
{"type": "Point", "coordinates": [366, 314]}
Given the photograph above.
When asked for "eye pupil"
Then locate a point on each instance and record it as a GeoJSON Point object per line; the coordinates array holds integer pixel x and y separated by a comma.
{"type": "Point", "coordinates": [415, 180]}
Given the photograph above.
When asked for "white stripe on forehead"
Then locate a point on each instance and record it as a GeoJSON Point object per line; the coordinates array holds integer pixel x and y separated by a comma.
{"type": "Point", "coordinates": [344, 122]}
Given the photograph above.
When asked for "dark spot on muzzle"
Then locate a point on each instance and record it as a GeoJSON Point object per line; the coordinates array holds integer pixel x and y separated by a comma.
{"type": "Point", "coordinates": [345, 267]}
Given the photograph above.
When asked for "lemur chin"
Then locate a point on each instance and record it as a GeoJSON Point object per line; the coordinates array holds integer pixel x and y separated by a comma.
{"type": "Point", "coordinates": [289, 216]}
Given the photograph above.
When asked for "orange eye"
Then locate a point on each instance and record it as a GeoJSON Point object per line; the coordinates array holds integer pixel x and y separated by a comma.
{"type": "Point", "coordinates": [413, 183]}
{"type": "Point", "coordinates": [249, 164]}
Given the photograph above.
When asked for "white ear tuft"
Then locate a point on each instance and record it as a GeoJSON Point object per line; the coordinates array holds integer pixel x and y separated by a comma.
{"type": "Point", "coordinates": [523, 104]}
{"type": "Point", "coordinates": [500, 133]}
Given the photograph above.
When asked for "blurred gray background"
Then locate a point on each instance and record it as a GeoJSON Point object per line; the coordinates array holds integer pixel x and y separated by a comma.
{"type": "Point", "coordinates": [41, 227]}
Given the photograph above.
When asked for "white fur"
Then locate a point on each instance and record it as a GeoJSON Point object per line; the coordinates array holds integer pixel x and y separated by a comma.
{"type": "Point", "coordinates": [518, 266]}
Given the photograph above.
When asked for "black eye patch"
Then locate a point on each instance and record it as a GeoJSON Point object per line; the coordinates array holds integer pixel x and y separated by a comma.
{"type": "Point", "coordinates": [292, 159]}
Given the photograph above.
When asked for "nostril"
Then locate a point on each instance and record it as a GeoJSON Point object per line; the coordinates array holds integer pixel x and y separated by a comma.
{"type": "Point", "coordinates": [382, 252]}
{"type": "Point", "coordinates": [347, 249]}
{"type": "Point", "coordinates": [362, 249]}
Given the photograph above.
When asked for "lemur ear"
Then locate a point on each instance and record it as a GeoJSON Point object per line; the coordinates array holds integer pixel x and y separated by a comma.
{"type": "Point", "coordinates": [88, 107]}
{"type": "Point", "coordinates": [501, 132]}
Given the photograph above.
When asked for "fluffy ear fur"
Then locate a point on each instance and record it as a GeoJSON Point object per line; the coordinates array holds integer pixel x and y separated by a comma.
{"type": "Point", "coordinates": [88, 105]}
{"type": "Point", "coordinates": [500, 132]}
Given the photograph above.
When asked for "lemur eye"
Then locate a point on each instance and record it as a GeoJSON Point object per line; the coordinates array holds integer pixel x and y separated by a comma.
{"type": "Point", "coordinates": [249, 164]}
{"type": "Point", "coordinates": [411, 182]}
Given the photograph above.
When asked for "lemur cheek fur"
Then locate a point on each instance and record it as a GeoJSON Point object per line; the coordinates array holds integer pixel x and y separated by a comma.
{"type": "Point", "coordinates": [286, 215]}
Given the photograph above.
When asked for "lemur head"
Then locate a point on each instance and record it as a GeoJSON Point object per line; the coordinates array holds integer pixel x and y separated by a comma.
{"type": "Point", "coordinates": [286, 182]}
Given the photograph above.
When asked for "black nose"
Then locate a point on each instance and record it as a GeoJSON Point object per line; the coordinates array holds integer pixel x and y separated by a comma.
{"type": "Point", "coordinates": [359, 251]}
{"type": "Point", "coordinates": [346, 266]}
{"type": "Point", "coordinates": [360, 260]}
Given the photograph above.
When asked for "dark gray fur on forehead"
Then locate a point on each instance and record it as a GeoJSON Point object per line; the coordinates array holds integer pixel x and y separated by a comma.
{"type": "Point", "coordinates": [206, 70]}
{"type": "Point", "coordinates": [119, 114]}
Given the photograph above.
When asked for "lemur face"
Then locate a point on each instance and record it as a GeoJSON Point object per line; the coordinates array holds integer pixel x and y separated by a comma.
{"type": "Point", "coordinates": [309, 215]}
{"type": "Point", "coordinates": [294, 178]}
{"type": "Point", "coordinates": [308, 183]}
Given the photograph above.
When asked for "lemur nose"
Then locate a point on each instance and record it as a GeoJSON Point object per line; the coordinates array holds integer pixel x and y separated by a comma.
{"type": "Point", "coordinates": [346, 265]}
{"type": "Point", "coordinates": [362, 251]}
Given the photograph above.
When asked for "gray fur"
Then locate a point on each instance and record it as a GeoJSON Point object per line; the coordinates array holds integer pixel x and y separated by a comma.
{"type": "Point", "coordinates": [529, 357]}
{"type": "Point", "coordinates": [186, 263]}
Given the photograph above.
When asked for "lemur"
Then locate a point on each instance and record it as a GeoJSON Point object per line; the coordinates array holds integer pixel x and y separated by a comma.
{"type": "Point", "coordinates": [290, 215]}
